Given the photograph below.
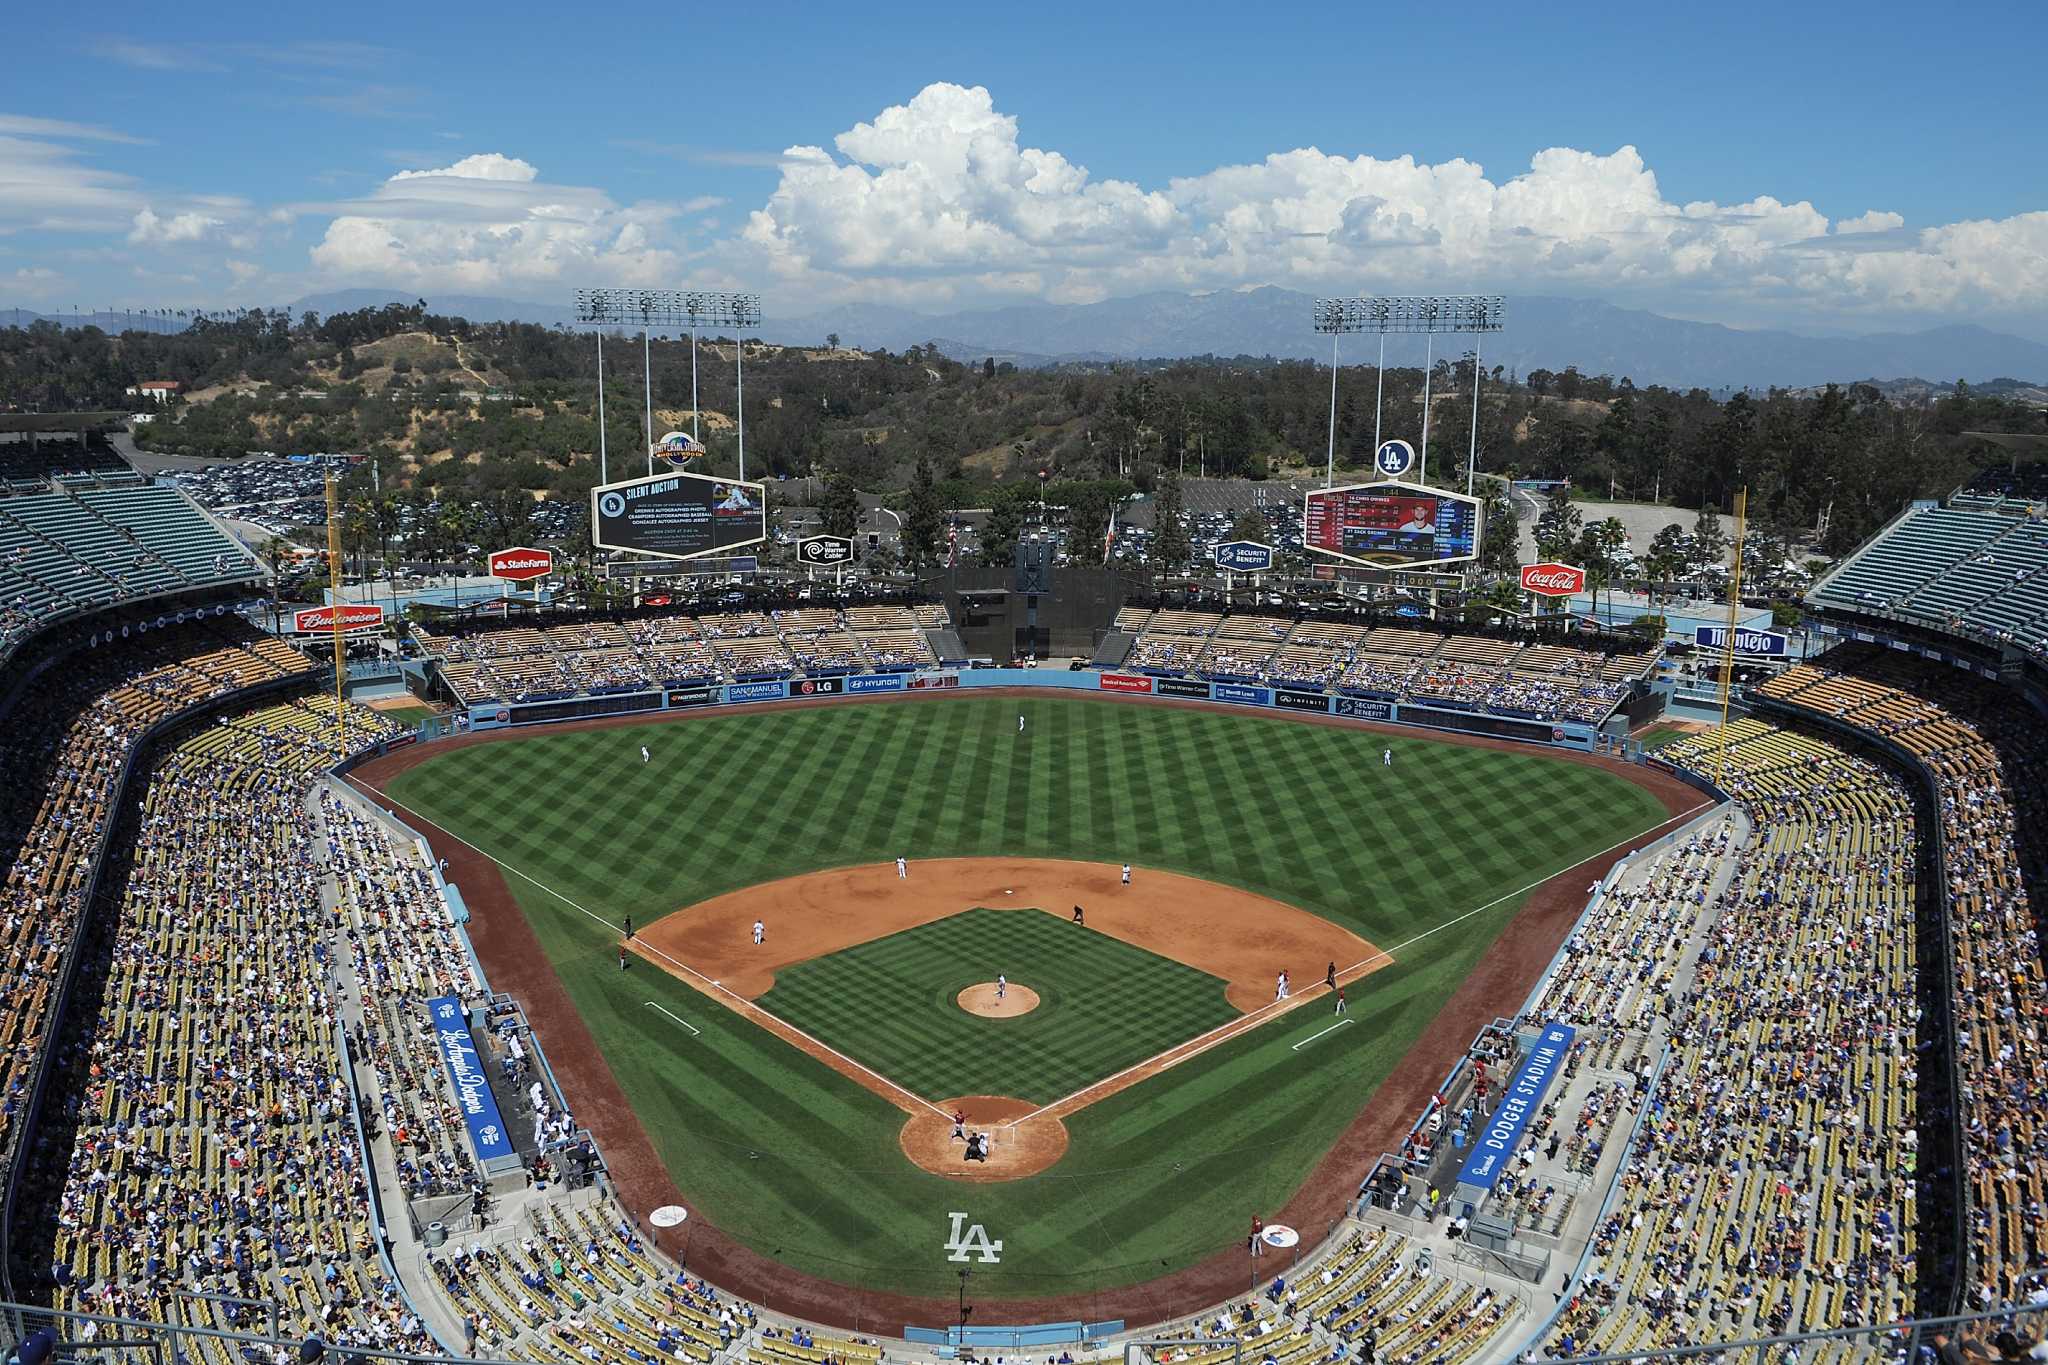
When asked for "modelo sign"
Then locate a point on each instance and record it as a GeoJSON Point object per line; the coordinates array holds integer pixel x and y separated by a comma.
{"type": "Point", "coordinates": [1553, 580]}
{"type": "Point", "coordinates": [320, 620]}
{"type": "Point", "coordinates": [521, 563]}
{"type": "Point", "coordinates": [1762, 644]}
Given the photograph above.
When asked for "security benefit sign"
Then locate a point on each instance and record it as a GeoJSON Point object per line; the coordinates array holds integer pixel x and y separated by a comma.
{"type": "Point", "coordinates": [678, 516]}
{"type": "Point", "coordinates": [487, 1135]}
{"type": "Point", "coordinates": [1519, 1104]}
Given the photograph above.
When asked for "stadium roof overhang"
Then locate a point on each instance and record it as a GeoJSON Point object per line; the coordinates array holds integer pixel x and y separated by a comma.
{"type": "Point", "coordinates": [22, 423]}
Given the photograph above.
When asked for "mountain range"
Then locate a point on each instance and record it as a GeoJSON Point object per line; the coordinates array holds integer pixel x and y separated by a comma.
{"type": "Point", "coordinates": [1550, 333]}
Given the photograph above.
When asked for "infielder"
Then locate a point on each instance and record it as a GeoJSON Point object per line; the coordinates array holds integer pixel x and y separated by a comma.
{"type": "Point", "coordinates": [902, 870]}
{"type": "Point", "coordinates": [760, 933]}
{"type": "Point", "coordinates": [1127, 874]}
{"type": "Point", "coordinates": [1280, 987]}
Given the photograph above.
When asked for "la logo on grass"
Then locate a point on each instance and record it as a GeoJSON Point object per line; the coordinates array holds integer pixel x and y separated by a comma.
{"type": "Point", "coordinates": [976, 1240]}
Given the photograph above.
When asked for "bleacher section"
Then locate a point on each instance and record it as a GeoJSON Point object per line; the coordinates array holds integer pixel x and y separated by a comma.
{"type": "Point", "coordinates": [64, 747]}
{"type": "Point", "coordinates": [1984, 747]}
{"type": "Point", "coordinates": [1976, 567]}
{"type": "Point", "coordinates": [1771, 1189]}
{"type": "Point", "coordinates": [522, 664]}
{"type": "Point", "coordinates": [1464, 672]}
{"type": "Point", "coordinates": [64, 552]}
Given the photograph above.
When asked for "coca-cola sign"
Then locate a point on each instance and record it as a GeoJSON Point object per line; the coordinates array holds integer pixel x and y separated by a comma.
{"type": "Point", "coordinates": [311, 620]}
{"type": "Point", "coordinates": [1553, 580]}
{"type": "Point", "coordinates": [522, 562]}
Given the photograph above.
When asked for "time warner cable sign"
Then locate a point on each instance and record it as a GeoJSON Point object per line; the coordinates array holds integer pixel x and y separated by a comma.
{"type": "Point", "coordinates": [678, 516]}
{"type": "Point", "coordinates": [1519, 1103]}
{"type": "Point", "coordinates": [487, 1136]}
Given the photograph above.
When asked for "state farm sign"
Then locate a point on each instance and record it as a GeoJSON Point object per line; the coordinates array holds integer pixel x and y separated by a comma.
{"type": "Point", "coordinates": [319, 620]}
{"type": "Point", "coordinates": [1553, 580]}
{"type": "Point", "coordinates": [522, 562]}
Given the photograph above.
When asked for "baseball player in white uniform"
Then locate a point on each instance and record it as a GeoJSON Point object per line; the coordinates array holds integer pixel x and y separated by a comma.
{"type": "Point", "coordinates": [1002, 986]}
{"type": "Point", "coordinates": [760, 933]}
{"type": "Point", "coordinates": [902, 869]}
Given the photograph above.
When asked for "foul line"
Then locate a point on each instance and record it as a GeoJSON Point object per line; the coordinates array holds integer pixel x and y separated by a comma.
{"type": "Point", "coordinates": [684, 1022]}
{"type": "Point", "coordinates": [1319, 1033]}
{"type": "Point", "coordinates": [743, 1006]}
{"type": "Point", "coordinates": [1196, 1046]}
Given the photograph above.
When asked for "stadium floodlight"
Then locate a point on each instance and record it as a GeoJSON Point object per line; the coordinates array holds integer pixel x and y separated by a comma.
{"type": "Point", "coordinates": [676, 309]}
{"type": "Point", "coordinates": [1410, 315]}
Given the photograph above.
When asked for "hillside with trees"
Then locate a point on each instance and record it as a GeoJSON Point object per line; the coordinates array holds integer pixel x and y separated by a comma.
{"type": "Point", "coordinates": [503, 411]}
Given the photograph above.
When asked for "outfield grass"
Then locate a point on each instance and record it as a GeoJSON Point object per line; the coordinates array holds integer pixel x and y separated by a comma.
{"type": "Point", "coordinates": [1103, 1005]}
{"type": "Point", "coordinates": [803, 1164]}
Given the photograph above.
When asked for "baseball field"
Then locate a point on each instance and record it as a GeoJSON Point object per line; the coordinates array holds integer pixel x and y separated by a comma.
{"type": "Point", "coordinates": [780, 1090]}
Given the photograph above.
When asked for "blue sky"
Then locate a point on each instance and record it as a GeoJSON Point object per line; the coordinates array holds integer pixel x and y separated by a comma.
{"type": "Point", "coordinates": [1854, 168]}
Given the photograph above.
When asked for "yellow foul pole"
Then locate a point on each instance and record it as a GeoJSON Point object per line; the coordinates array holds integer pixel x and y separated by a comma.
{"type": "Point", "coordinates": [1728, 637]}
{"type": "Point", "coordinates": [334, 582]}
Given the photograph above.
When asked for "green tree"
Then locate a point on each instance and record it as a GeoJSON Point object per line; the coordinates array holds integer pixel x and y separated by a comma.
{"type": "Point", "coordinates": [1557, 526]}
{"type": "Point", "coordinates": [925, 521]}
{"type": "Point", "coordinates": [1709, 541]}
{"type": "Point", "coordinates": [1666, 559]}
{"type": "Point", "coordinates": [1500, 545]}
{"type": "Point", "coordinates": [839, 509]}
{"type": "Point", "coordinates": [1005, 523]}
{"type": "Point", "coordinates": [1171, 547]}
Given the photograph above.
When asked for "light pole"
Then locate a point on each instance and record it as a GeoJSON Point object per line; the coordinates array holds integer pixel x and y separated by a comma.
{"type": "Point", "coordinates": [678, 309]}
{"type": "Point", "coordinates": [1407, 315]}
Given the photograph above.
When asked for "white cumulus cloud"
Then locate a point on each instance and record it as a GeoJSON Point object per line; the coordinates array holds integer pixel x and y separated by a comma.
{"type": "Point", "coordinates": [489, 220]}
{"type": "Point", "coordinates": [940, 200]}
{"type": "Point", "coordinates": [150, 228]}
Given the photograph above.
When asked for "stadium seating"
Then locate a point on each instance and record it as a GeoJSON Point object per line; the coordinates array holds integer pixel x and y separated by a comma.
{"type": "Point", "coordinates": [1465, 672]}
{"type": "Point", "coordinates": [1976, 567]}
{"type": "Point", "coordinates": [522, 664]}
{"type": "Point", "coordinates": [68, 551]}
{"type": "Point", "coordinates": [1770, 1189]}
{"type": "Point", "coordinates": [1984, 749]}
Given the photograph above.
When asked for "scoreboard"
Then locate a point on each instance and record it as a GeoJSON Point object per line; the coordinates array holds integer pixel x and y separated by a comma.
{"type": "Point", "coordinates": [1391, 525]}
{"type": "Point", "coordinates": [678, 516]}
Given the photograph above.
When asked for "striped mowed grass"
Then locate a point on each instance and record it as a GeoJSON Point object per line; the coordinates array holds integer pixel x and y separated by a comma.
{"type": "Point", "coordinates": [803, 1164]}
{"type": "Point", "coordinates": [1104, 1005]}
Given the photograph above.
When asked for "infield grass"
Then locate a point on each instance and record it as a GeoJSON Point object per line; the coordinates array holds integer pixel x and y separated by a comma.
{"type": "Point", "coordinates": [803, 1164]}
{"type": "Point", "coordinates": [1103, 1005]}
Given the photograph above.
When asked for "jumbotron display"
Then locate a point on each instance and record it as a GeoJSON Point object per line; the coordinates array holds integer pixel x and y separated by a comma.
{"type": "Point", "coordinates": [678, 516]}
{"type": "Point", "coordinates": [1391, 525]}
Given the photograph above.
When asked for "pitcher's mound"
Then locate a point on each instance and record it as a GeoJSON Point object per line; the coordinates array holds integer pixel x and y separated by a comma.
{"type": "Point", "coordinates": [1019, 1145]}
{"type": "Point", "coordinates": [982, 1000]}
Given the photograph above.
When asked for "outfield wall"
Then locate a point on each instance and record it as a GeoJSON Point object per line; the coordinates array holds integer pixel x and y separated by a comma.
{"type": "Point", "coordinates": [1573, 735]}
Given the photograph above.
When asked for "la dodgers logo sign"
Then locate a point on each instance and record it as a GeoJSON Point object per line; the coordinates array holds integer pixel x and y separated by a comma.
{"type": "Point", "coordinates": [975, 1240]}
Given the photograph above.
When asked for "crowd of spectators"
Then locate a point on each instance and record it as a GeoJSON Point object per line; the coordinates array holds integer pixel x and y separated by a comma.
{"type": "Point", "coordinates": [523, 664]}
{"type": "Point", "coordinates": [1466, 672]}
{"type": "Point", "coordinates": [1983, 746]}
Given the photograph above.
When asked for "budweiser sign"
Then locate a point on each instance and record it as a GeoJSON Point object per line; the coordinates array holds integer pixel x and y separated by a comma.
{"type": "Point", "coordinates": [319, 620]}
{"type": "Point", "coordinates": [1553, 580]}
{"type": "Point", "coordinates": [522, 562]}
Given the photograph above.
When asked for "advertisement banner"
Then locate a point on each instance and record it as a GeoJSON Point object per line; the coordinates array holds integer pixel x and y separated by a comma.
{"type": "Point", "coordinates": [487, 1136]}
{"type": "Point", "coordinates": [1179, 687]}
{"type": "Point", "coordinates": [692, 696]}
{"type": "Point", "coordinates": [1519, 1103]}
{"type": "Point", "coordinates": [1244, 556]}
{"type": "Point", "coordinates": [1242, 695]}
{"type": "Point", "coordinates": [1301, 701]}
{"type": "Point", "coordinates": [1123, 682]}
{"type": "Point", "coordinates": [875, 682]}
{"type": "Point", "coordinates": [817, 687]}
{"type": "Point", "coordinates": [521, 562]}
{"type": "Point", "coordinates": [824, 552]}
{"type": "Point", "coordinates": [1763, 644]}
{"type": "Point", "coordinates": [757, 691]}
{"type": "Point", "coordinates": [1552, 579]}
{"type": "Point", "coordinates": [924, 680]}
{"type": "Point", "coordinates": [1364, 708]}
{"type": "Point", "coordinates": [320, 620]}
